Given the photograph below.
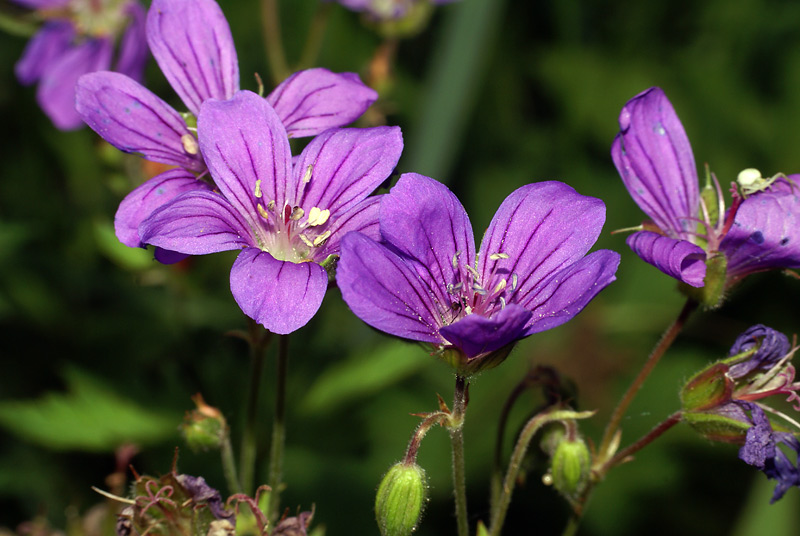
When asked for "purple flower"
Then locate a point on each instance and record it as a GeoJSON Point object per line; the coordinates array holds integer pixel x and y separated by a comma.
{"type": "Point", "coordinates": [727, 402]}
{"type": "Point", "coordinates": [654, 159]}
{"type": "Point", "coordinates": [287, 218]}
{"type": "Point", "coordinates": [77, 38]}
{"type": "Point", "coordinates": [192, 43]}
{"type": "Point", "coordinates": [425, 282]}
{"type": "Point", "coordinates": [388, 9]}
{"type": "Point", "coordinates": [762, 449]}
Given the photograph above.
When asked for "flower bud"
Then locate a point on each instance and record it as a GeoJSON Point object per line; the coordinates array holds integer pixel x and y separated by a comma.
{"type": "Point", "coordinates": [205, 427]}
{"type": "Point", "coordinates": [400, 500]}
{"type": "Point", "coordinates": [570, 467]}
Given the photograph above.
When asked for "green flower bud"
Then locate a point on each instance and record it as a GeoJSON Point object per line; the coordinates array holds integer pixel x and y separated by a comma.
{"type": "Point", "coordinates": [205, 427]}
{"type": "Point", "coordinates": [570, 467]}
{"type": "Point", "coordinates": [400, 500]}
{"type": "Point", "coordinates": [707, 389]}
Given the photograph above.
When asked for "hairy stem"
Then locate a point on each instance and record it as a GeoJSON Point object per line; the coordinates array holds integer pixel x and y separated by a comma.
{"type": "Point", "coordinates": [456, 427]}
{"type": "Point", "coordinates": [229, 466]}
{"type": "Point", "coordinates": [278, 430]}
{"type": "Point", "coordinates": [258, 340]}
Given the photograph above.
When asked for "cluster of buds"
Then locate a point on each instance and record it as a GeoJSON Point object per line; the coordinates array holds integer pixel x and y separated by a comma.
{"type": "Point", "coordinates": [727, 402]}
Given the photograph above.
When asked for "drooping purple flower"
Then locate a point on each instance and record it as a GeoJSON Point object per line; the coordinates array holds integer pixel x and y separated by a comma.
{"type": "Point", "coordinates": [79, 37]}
{"type": "Point", "coordinates": [654, 159]}
{"type": "Point", "coordinates": [762, 449]}
{"type": "Point", "coordinates": [192, 43]}
{"type": "Point", "coordinates": [727, 402]}
{"type": "Point", "coordinates": [287, 218]}
{"type": "Point", "coordinates": [424, 281]}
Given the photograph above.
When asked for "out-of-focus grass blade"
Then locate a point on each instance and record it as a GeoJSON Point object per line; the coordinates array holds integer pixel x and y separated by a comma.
{"type": "Point", "coordinates": [760, 517]}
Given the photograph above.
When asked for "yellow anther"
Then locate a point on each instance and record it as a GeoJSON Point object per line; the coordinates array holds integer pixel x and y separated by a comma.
{"type": "Point", "coordinates": [514, 281]}
{"type": "Point", "coordinates": [297, 213]}
{"type": "Point", "coordinates": [264, 213]}
{"type": "Point", "coordinates": [307, 176]}
{"type": "Point", "coordinates": [497, 256]}
{"type": "Point", "coordinates": [306, 241]}
{"type": "Point", "coordinates": [271, 206]}
{"type": "Point", "coordinates": [258, 188]}
{"type": "Point", "coordinates": [500, 286]}
{"type": "Point", "coordinates": [318, 241]}
{"type": "Point", "coordinates": [189, 143]}
{"type": "Point", "coordinates": [317, 216]}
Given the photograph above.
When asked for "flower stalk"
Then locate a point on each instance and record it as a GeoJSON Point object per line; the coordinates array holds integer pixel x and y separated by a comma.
{"type": "Point", "coordinates": [273, 44]}
{"type": "Point", "coordinates": [258, 340]}
{"type": "Point", "coordinates": [278, 430]}
{"type": "Point", "coordinates": [456, 427]}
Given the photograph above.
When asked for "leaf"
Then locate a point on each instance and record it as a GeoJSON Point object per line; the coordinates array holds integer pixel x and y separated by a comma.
{"type": "Point", "coordinates": [482, 531]}
{"type": "Point", "coordinates": [88, 417]}
{"type": "Point", "coordinates": [363, 375]}
{"type": "Point", "coordinates": [136, 259]}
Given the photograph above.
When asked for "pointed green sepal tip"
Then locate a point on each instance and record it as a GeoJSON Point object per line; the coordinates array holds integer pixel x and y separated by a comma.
{"type": "Point", "coordinates": [570, 467]}
{"type": "Point", "coordinates": [400, 500]}
{"type": "Point", "coordinates": [203, 428]}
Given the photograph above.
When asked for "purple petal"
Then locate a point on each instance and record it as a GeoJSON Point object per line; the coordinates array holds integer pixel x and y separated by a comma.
{"type": "Point", "coordinates": [43, 50]}
{"type": "Point", "coordinates": [346, 166]}
{"type": "Point", "coordinates": [475, 334]}
{"type": "Point", "coordinates": [312, 101]}
{"type": "Point", "coordinates": [677, 258]}
{"type": "Point", "coordinates": [384, 292]}
{"type": "Point", "coordinates": [133, 45]}
{"type": "Point", "coordinates": [282, 296]}
{"type": "Point", "coordinates": [771, 346]}
{"type": "Point", "coordinates": [56, 91]}
{"type": "Point", "coordinates": [765, 233]}
{"type": "Point", "coordinates": [134, 120]}
{"type": "Point", "coordinates": [243, 141]}
{"type": "Point", "coordinates": [196, 222]}
{"type": "Point", "coordinates": [759, 444]}
{"type": "Point", "coordinates": [424, 220]}
{"type": "Point", "coordinates": [362, 218]}
{"type": "Point", "coordinates": [192, 43]}
{"type": "Point", "coordinates": [165, 256]}
{"type": "Point", "coordinates": [655, 161]}
{"type": "Point", "coordinates": [565, 294]}
{"type": "Point", "coordinates": [543, 228]}
{"type": "Point", "coordinates": [146, 198]}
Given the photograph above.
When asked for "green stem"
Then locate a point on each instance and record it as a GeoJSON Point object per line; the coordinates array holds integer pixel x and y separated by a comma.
{"type": "Point", "coordinates": [645, 440]}
{"type": "Point", "coordinates": [229, 466]}
{"type": "Point", "coordinates": [655, 356]}
{"type": "Point", "coordinates": [258, 340]}
{"type": "Point", "coordinates": [316, 34]}
{"type": "Point", "coordinates": [499, 509]}
{"type": "Point", "coordinates": [278, 430]}
{"type": "Point", "coordinates": [456, 427]}
{"type": "Point", "coordinates": [273, 45]}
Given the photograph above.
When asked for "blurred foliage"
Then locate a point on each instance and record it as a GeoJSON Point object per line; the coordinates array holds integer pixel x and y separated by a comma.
{"type": "Point", "coordinates": [494, 94]}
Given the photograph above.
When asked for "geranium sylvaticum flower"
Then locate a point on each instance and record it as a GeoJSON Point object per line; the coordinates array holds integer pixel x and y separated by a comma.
{"type": "Point", "coordinates": [80, 37]}
{"type": "Point", "coordinates": [286, 218]}
{"type": "Point", "coordinates": [424, 280]}
{"type": "Point", "coordinates": [691, 237]}
{"type": "Point", "coordinates": [192, 43]}
{"type": "Point", "coordinates": [729, 401]}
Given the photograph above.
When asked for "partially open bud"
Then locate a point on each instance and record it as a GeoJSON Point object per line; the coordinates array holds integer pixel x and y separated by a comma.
{"type": "Point", "coordinates": [205, 427]}
{"type": "Point", "coordinates": [570, 467]}
{"type": "Point", "coordinates": [400, 500]}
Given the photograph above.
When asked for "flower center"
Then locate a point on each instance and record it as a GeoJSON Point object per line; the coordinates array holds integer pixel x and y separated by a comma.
{"type": "Point", "coordinates": [288, 233]}
{"type": "Point", "coordinates": [470, 294]}
{"type": "Point", "coordinates": [93, 18]}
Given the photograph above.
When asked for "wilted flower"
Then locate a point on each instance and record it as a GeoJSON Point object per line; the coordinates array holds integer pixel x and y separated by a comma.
{"type": "Point", "coordinates": [79, 37]}
{"type": "Point", "coordinates": [192, 43]}
{"type": "Point", "coordinates": [424, 281]}
{"type": "Point", "coordinates": [727, 402]}
{"type": "Point", "coordinates": [692, 237]}
{"type": "Point", "coordinates": [287, 218]}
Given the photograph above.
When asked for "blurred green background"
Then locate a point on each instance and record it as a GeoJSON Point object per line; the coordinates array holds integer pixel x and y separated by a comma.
{"type": "Point", "coordinates": [100, 345]}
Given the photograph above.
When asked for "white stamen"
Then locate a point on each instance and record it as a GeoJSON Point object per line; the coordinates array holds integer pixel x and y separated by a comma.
{"type": "Point", "coordinates": [500, 286]}
{"type": "Point", "coordinates": [497, 256]}
{"type": "Point", "coordinates": [306, 241]}
{"type": "Point", "coordinates": [297, 213]}
{"type": "Point", "coordinates": [318, 241]}
{"type": "Point", "coordinates": [258, 189]}
{"type": "Point", "coordinates": [317, 216]}
{"type": "Point", "coordinates": [307, 176]}
{"type": "Point", "coordinates": [514, 281]}
{"type": "Point", "coordinates": [271, 206]}
{"type": "Point", "coordinates": [264, 214]}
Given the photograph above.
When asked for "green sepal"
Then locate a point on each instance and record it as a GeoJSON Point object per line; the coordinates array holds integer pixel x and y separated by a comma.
{"type": "Point", "coordinates": [466, 366]}
{"type": "Point", "coordinates": [329, 264]}
{"type": "Point", "coordinates": [711, 294]}
{"type": "Point", "coordinates": [707, 389]}
{"type": "Point", "coordinates": [570, 467]}
{"type": "Point", "coordinates": [717, 427]}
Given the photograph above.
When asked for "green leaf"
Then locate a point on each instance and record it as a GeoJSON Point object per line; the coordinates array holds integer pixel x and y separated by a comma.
{"type": "Point", "coordinates": [482, 530]}
{"type": "Point", "coordinates": [363, 375]}
{"type": "Point", "coordinates": [89, 417]}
